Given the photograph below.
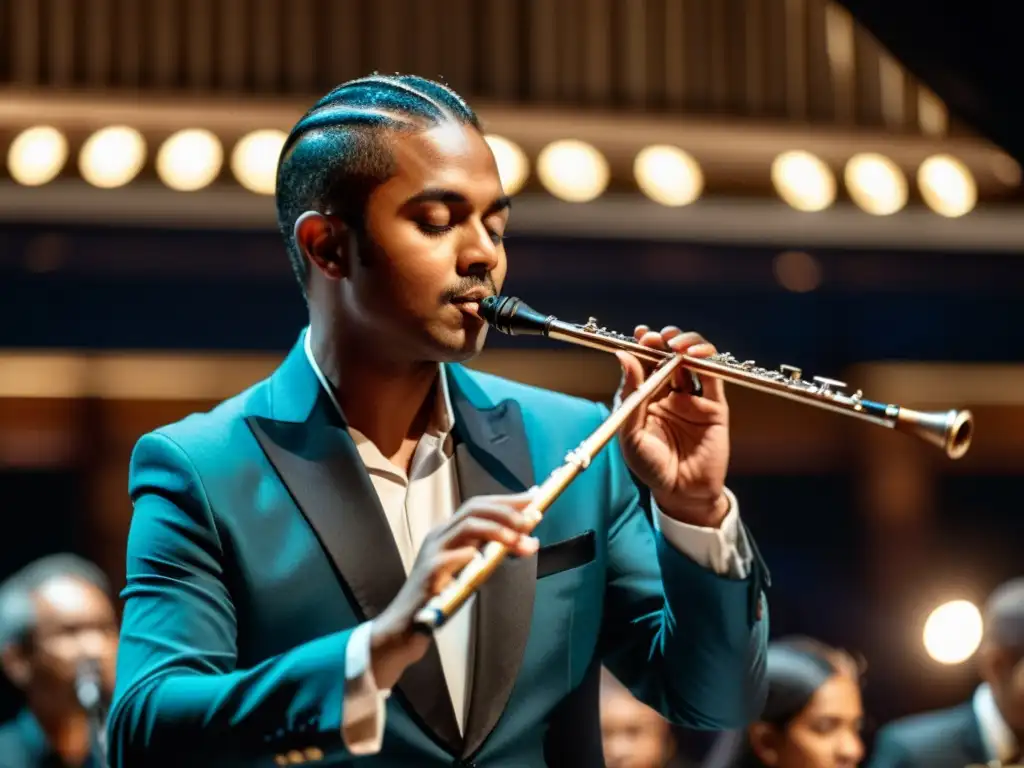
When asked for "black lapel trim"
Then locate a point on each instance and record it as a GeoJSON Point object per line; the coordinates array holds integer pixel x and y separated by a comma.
{"type": "Point", "coordinates": [321, 468]}
{"type": "Point", "coordinates": [492, 457]}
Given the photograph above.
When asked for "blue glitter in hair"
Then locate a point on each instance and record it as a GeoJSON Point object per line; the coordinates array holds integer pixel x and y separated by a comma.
{"type": "Point", "coordinates": [335, 154]}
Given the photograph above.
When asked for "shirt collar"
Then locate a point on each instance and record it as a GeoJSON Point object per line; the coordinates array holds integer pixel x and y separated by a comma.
{"type": "Point", "coordinates": [443, 420]}
{"type": "Point", "coordinates": [999, 740]}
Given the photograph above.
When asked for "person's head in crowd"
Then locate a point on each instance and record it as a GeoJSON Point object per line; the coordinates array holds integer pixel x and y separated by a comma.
{"type": "Point", "coordinates": [1001, 655]}
{"type": "Point", "coordinates": [56, 614]}
{"type": "Point", "coordinates": [633, 734]}
{"type": "Point", "coordinates": [813, 714]}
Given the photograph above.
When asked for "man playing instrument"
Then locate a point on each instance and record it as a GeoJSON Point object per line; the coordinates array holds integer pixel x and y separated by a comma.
{"type": "Point", "coordinates": [282, 543]}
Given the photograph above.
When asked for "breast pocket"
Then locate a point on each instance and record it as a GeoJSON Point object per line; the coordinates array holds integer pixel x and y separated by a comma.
{"type": "Point", "coordinates": [569, 590]}
{"type": "Point", "coordinates": [567, 554]}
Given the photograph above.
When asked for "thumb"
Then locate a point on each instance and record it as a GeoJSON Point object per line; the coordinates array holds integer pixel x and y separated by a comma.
{"type": "Point", "coordinates": [632, 377]}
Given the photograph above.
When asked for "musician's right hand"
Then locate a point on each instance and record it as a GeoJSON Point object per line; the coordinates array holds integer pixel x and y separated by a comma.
{"type": "Point", "coordinates": [445, 551]}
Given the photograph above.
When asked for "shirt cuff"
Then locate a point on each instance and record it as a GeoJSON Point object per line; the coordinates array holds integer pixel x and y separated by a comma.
{"type": "Point", "coordinates": [363, 708]}
{"type": "Point", "coordinates": [724, 550]}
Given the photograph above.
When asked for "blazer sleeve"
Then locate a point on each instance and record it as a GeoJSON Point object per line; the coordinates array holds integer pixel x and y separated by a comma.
{"type": "Point", "coordinates": [180, 698]}
{"type": "Point", "coordinates": [889, 751]}
{"type": "Point", "coordinates": [688, 642]}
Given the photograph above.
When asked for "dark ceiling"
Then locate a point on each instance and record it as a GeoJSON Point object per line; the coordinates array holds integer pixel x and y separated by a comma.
{"type": "Point", "coordinates": [969, 53]}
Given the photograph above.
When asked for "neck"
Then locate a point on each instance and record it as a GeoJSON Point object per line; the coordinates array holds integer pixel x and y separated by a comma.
{"type": "Point", "coordinates": [390, 403]}
{"type": "Point", "coordinates": [67, 732]}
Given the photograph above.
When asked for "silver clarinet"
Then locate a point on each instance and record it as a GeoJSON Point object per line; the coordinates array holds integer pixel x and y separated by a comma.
{"type": "Point", "coordinates": [951, 431]}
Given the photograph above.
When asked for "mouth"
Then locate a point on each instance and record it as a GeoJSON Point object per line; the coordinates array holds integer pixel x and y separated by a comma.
{"type": "Point", "coordinates": [469, 302]}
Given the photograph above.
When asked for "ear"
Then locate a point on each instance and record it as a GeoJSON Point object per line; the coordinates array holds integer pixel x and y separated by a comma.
{"type": "Point", "coordinates": [326, 242]}
{"type": "Point", "coordinates": [16, 666]}
{"type": "Point", "coordinates": [994, 663]}
{"type": "Point", "coordinates": [764, 740]}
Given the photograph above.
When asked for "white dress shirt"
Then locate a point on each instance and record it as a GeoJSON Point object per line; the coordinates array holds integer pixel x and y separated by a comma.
{"type": "Point", "coordinates": [426, 497]}
{"type": "Point", "coordinates": [999, 741]}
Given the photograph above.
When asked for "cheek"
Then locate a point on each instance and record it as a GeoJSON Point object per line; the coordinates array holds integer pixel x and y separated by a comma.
{"type": "Point", "coordinates": [805, 749]}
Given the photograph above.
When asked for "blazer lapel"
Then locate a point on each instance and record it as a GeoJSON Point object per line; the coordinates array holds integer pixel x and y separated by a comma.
{"type": "Point", "coordinates": [320, 466]}
{"type": "Point", "coordinates": [492, 457]}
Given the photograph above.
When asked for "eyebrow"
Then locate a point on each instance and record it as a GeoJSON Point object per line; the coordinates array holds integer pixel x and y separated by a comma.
{"type": "Point", "coordinates": [449, 197]}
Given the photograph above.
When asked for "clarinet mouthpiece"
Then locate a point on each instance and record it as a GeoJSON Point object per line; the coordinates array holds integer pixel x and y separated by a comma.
{"type": "Point", "coordinates": [513, 317]}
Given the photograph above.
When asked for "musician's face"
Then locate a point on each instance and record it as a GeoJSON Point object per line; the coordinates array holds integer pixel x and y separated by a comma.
{"type": "Point", "coordinates": [826, 734]}
{"type": "Point", "coordinates": [435, 230]}
{"type": "Point", "coordinates": [74, 621]}
{"type": "Point", "coordinates": [632, 734]}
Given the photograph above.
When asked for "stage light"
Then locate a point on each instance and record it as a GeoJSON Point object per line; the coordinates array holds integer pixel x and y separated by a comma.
{"type": "Point", "coordinates": [37, 155]}
{"type": "Point", "coordinates": [804, 181]}
{"type": "Point", "coordinates": [668, 175]}
{"type": "Point", "coordinates": [190, 160]}
{"type": "Point", "coordinates": [573, 170]}
{"type": "Point", "coordinates": [112, 157]}
{"type": "Point", "coordinates": [797, 271]}
{"type": "Point", "coordinates": [947, 186]}
{"type": "Point", "coordinates": [952, 632]}
{"type": "Point", "coordinates": [254, 160]}
{"type": "Point", "coordinates": [513, 165]}
{"type": "Point", "coordinates": [875, 183]}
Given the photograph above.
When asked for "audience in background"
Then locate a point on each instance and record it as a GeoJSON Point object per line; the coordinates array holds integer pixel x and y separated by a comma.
{"type": "Point", "coordinates": [633, 734]}
{"type": "Point", "coordinates": [56, 619]}
{"type": "Point", "coordinates": [812, 717]}
{"type": "Point", "coordinates": [989, 728]}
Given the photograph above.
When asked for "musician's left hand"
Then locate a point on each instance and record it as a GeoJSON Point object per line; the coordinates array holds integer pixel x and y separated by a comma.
{"type": "Point", "coordinates": [677, 444]}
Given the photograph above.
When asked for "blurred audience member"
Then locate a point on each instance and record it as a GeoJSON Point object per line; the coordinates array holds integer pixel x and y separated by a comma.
{"type": "Point", "coordinates": [58, 634]}
{"type": "Point", "coordinates": [989, 728]}
{"type": "Point", "coordinates": [812, 717]}
{"type": "Point", "coordinates": [633, 734]}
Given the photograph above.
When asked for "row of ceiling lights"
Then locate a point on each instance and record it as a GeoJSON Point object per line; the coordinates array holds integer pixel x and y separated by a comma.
{"type": "Point", "coordinates": [569, 169]}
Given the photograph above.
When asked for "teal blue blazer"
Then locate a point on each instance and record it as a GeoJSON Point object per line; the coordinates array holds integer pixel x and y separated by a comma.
{"type": "Point", "coordinates": [257, 544]}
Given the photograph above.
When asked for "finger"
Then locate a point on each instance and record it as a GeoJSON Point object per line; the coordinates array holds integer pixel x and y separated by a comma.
{"type": "Point", "coordinates": [474, 531]}
{"type": "Point", "coordinates": [639, 331]}
{"type": "Point", "coordinates": [713, 388]}
{"type": "Point", "coordinates": [679, 341]}
{"type": "Point", "coordinates": [496, 511]}
{"type": "Point", "coordinates": [653, 339]}
{"type": "Point", "coordinates": [446, 564]}
{"type": "Point", "coordinates": [632, 377]}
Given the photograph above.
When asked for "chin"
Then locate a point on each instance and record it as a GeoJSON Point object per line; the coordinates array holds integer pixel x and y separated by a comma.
{"type": "Point", "coordinates": [460, 346]}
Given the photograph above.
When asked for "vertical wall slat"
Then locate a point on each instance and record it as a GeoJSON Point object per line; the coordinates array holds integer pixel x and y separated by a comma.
{"type": "Point", "coordinates": [300, 46]}
{"type": "Point", "coordinates": [839, 45]}
{"type": "Point", "coordinates": [796, 59]}
{"type": "Point", "coordinates": [163, 42]}
{"type": "Point", "coordinates": [634, 59]}
{"type": "Point", "coordinates": [60, 31]}
{"type": "Point", "coordinates": [675, 54]}
{"type": "Point", "coordinates": [344, 46]}
{"type": "Point", "coordinates": [819, 81]}
{"type": "Point", "coordinates": [265, 58]}
{"type": "Point", "coordinates": [199, 28]}
{"type": "Point", "coordinates": [129, 49]}
{"type": "Point", "coordinates": [499, 64]}
{"type": "Point", "coordinates": [754, 70]}
{"type": "Point", "coordinates": [99, 44]}
{"type": "Point", "coordinates": [784, 59]}
{"type": "Point", "coordinates": [25, 46]}
{"type": "Point", "coordinates": [457, 53]}
{"type": "Point", "coordinates": [543, 50]}
{"type": "Point", "coordinates": [427, 18]}
{"type": "Point", "coordinates": [718, 50]}
{"type": "Point", "coordinates": [232, 46]}
{"type": "Point", "coordinates": [570, 48]}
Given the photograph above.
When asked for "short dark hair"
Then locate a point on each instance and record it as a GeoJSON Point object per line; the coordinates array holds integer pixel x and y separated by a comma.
{"type": "Point", "coordinates": [1004, 615]}
{"type": "Point", "coordinates": [337, 153]}
{"type": "Point", "coordinates": [17, 611]}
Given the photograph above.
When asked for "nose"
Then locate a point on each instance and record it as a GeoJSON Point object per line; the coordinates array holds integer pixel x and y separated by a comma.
{"type": "Point", "coordinates": [850, 749]}
{"type": "Point", "coordinates": [478, 253]}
